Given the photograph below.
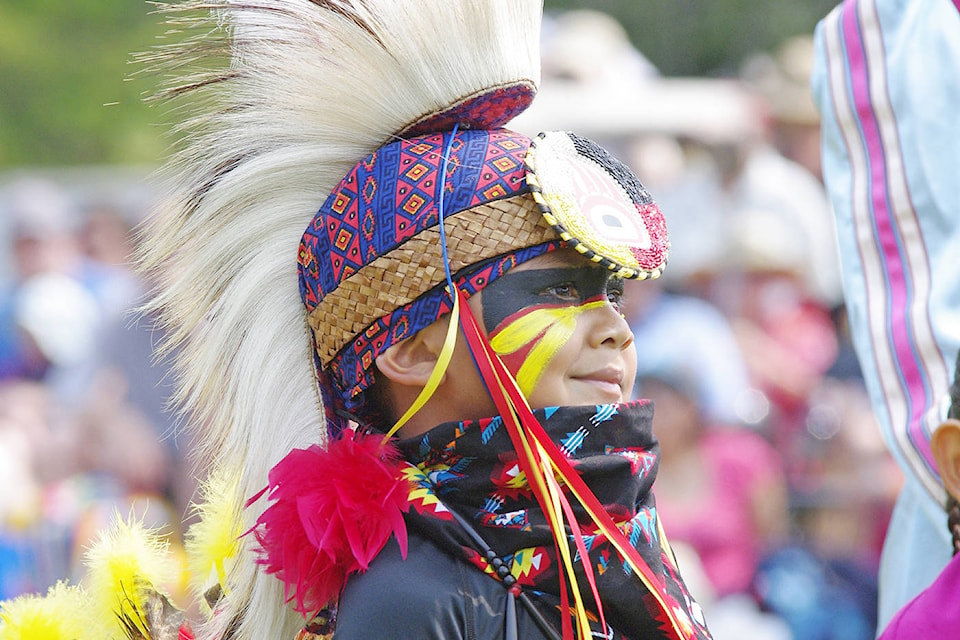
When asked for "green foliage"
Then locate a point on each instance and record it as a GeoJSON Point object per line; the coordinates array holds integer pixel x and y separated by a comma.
{"type": "Point", "coordinates": [67, 96]}
{"type": "Point", "coordinates": [64, 94]}
{"type": "Point", "coordinates": [706, 37]}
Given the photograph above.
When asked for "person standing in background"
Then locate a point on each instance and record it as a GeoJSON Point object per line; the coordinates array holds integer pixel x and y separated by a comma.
{"type": "Point", "coordinates": [887, 80]}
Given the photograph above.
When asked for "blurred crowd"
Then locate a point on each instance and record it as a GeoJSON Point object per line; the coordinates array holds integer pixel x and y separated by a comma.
{"type": "Point", "coordinates": [85, 426]}
{"type": "Point", "coordinates": [774, 486]}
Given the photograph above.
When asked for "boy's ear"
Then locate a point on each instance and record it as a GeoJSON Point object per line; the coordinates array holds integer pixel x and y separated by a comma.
{"type": "Point", "coordinates": [411, 361]}
{"type": "Point", "coordinates": [945, 444]}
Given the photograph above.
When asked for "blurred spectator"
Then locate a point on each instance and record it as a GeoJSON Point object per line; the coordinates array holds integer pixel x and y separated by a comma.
{"type": "Point", "coordinates": [727, 181]}
{"type": "Point", "coordinates": [787, 338]}
{"type": "Point", "coordinates": [721, 490]}
{"type": "Point", "coordinates": [126, 359]}
{"type": "Point", "coordinates": [842, 500]}
{"type": "Point", "coordinates": [63, 464]}
{"type": "Point", "coordinates": [721, 493]}
{"type": "Point", "coordinates": [783, 81]}
{"type": "Point", "coordinates": [106, 237]}
{"type": "Point", "coordinates": [43, 223]}
{"type": "Point", "coordinates": [824, 583]}
{"type": "Point", "coordinates": [43, 444]}
{"type": "Point", "coordinates": [53, 312]}
{"type": "Point", "coordinates": [83, 415]}
{"type": "Point", "coordinates": [106, 240]}
{"type": "Point", "coordinates": [41, 226]}
{"type": "Point", "coordinates": [673, 330]}
{"type": "Point", "coordinates": [818, 599]}
{"type": "Point", "coordinates": [58, 321]}
{"type": "Point", "coordinates": [590, 48]}
{"type": "Point", "coordinates": [20, 497]}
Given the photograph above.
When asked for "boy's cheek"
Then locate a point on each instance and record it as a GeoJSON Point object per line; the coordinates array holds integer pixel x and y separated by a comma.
{"type": "Point", "coordinates": [531, 339]}
{"type": "Point", "coordinates": [526, 345]}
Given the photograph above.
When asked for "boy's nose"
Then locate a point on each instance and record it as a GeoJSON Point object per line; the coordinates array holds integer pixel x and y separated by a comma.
{"type": "Point", "coordinates": [611, 328]}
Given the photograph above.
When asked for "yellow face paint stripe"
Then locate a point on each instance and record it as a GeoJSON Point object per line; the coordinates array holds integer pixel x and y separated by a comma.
{"type": "Point", "coordinates": [541, 355]}
{"type": "Point", "coordinates": [553, 326]}
{"type": "Point", "coordinates": [526, 328]}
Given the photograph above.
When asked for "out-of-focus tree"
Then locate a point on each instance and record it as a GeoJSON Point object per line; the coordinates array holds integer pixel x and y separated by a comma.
{"type": "Point", "coordinates": [65, 98]}
{"type": "Point", "coordinates": [64, 94]}
{"type": "Point", "coordinates": [706, 37]}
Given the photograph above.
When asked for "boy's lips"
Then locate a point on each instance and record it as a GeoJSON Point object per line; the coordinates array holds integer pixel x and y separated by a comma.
{"type": "Point", "coordinates": [607, 380]}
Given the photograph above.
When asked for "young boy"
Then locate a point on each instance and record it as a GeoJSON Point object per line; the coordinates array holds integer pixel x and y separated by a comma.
{"type": "Point", "coordinates": [460, 287]}
{"type": "Point", "coordinates": [482, 547]}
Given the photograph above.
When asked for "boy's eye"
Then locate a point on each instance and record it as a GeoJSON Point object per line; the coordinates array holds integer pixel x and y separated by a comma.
{"type": "Point", "coordinates": [616, 298]}
{"type": "Point", "coordinates": [615, 294]}
{"type": "Point", "coordinates": [562, 291]}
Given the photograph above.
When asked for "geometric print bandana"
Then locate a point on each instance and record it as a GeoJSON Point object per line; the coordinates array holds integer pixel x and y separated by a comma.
{"type": "Point", "coordinates": [471, 468]}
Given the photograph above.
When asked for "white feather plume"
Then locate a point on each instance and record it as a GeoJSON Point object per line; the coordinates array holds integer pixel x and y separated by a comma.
{"type": "Point", "coordinates": [305, 89]}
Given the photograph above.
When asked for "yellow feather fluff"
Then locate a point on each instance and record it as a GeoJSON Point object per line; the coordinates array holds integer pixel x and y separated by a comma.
{"type": "Point", "coordinates": [125, 566]}
{"type": "Point", "coordinates": [62, 614]}
{"type": "Point", "coordinates": [213, 542]}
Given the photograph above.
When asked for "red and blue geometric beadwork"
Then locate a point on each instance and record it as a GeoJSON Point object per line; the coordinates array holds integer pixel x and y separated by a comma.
{"type": "Point", "coordinates": [387, 199]}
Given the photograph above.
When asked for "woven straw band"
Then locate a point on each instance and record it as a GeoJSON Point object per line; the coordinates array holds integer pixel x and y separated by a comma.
{"type": "Point", "coordinates": [416, 266]}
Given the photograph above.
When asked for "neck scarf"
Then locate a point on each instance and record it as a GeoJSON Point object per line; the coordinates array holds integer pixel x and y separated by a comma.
{"type": "Point", "coordinates": [470, 468]}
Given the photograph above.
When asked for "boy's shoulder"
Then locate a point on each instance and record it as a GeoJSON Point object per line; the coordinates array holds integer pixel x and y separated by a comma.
{"type": "Point", "coordinates": [422, 595]}
{"type": "Point", "coordinates": [428, 594]}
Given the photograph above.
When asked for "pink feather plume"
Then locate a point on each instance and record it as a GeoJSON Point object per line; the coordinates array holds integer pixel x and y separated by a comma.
{"type": "Point", "coordinates": [333, 511]}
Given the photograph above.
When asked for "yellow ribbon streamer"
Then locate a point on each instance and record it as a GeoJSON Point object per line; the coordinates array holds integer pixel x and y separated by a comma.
{"type": "Point", "coordinates": [439, 369]}
{"type": "Point", "coordinates": [547, 483]}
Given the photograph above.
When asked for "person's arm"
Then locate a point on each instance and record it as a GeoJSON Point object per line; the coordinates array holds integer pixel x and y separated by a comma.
{"type": "Point", "coordinates": [887, 82]}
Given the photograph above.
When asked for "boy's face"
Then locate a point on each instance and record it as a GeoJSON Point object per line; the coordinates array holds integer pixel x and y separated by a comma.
{"type": "Point", "coordinates": [555, 321]}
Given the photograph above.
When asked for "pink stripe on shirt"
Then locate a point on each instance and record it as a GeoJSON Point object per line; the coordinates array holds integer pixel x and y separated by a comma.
{"type": "Point", "coordinates": [911, 374]}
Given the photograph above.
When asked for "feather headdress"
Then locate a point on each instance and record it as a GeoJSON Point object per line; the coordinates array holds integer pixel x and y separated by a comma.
{"type": "Point", "coordinates": [306, 89]}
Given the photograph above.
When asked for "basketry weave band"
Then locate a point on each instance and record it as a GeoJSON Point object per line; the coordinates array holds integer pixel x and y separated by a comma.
{"type": "Point", "coordinates": [370, 261]}
{"type": "Point", "coordinates": [415, 267]}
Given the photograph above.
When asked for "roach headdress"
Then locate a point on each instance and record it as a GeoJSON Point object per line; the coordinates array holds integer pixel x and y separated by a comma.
{"type": "Point", "coordinates": [285, 98]}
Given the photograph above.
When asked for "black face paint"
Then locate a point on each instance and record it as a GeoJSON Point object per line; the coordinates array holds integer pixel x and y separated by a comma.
{"type": "Point", "coordinates": [517, 290]}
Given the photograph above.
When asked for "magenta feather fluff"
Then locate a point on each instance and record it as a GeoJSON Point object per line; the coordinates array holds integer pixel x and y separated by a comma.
{"type": "Point", "coordinates": [333, 511]}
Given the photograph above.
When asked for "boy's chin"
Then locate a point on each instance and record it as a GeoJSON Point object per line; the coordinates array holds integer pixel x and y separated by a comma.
{"type": "Point", "coordinates": [585, 393]}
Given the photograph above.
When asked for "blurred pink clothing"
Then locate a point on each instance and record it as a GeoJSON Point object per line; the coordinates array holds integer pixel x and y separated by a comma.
{"type": "Point", "coordinates": [720, 526]}
{"type": "Point", "coordinates": [935, 613]}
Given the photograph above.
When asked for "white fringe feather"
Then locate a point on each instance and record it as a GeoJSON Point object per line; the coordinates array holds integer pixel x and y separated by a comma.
{"type": "Point", "coordinates": [311, 87]}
